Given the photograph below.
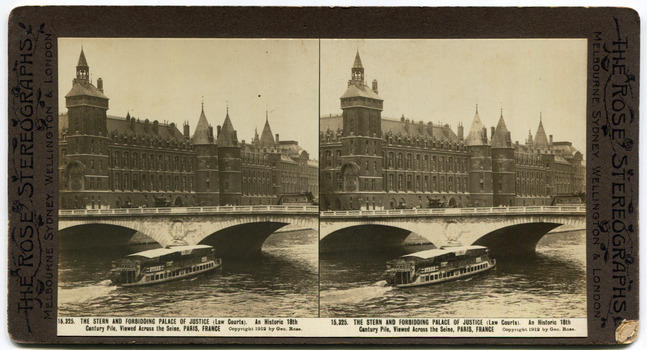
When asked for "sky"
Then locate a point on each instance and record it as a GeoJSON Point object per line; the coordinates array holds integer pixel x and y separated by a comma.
{"type": "Point", "coordinates": [168, 79]}
{"type": "Point", "coordinates": [442, 81]}
{"type": "Point", "coordinates": [425, 80]}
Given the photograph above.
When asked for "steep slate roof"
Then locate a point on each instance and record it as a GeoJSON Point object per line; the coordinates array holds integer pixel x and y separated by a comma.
{"type": "Point", "coordinates": [332, 123]}
{"type": "Point", "coordinates": [201, 133]}
{"type": "Point", "coordinates": [227, 136]}
{"type": "Point", "coordinates": [541, 141]}
{"type": "Point", "coordinates": [395, 126]}
{"type": "Point", "coordinates": [358, 61]}
{"type": "Point", "coordinates": [82, 61]}
{"type": "Point", "coordinates": [475, 137]}
{"type": "Point", "coordinates": [123, 126]}
{"type": "Point", "coordinates": [126, 127]}
{"type": "Point", "coordinates": [360, 91]}
{"type": "Point", "coordinates": [500, 138]}
{"type": "Point", "coordinates": [417, 130]}
{"type": "Point", "coordinates": [85, 89]}
{"type": "Point", "coordinates": [292, 148]}
{"type": "Point", "coordinates": [267, 138]}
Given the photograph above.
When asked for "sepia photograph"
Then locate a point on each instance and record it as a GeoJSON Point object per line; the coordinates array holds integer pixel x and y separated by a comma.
{"type": "Point", "coordinates": [188, 177]}
{"type": "Point", "coordinates": [452, 178]}
{"type": "Point", "coordinates": [323, 175]}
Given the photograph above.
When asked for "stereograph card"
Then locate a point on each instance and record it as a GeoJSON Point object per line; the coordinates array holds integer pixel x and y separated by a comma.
{"type": "Point", "coordinates": [185, 175]}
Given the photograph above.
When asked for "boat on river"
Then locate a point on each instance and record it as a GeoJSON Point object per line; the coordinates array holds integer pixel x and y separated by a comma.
{"type": "Point", "coordinates": [163, 264]}
{"type": "Point", "coordinates": [438, 265]}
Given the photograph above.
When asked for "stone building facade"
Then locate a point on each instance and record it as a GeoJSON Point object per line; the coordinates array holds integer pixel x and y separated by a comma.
{"type": "Point", "coordinates": [112, 162]}
{"type": "Point", "coordinates": [369, 161]}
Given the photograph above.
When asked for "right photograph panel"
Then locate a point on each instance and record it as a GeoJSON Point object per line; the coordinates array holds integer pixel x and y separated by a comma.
{"type": "Point", "coordinates": [452, 178]}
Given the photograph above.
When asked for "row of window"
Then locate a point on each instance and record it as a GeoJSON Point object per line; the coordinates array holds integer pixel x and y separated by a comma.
{"type": "Point", "coordinates": [399, 160]}
{"type": "Point", "coordinates": [441, 275]}
{"type": "Point", "coordinates": [424, 183]}
{"type": "Point", "coordinates": [420, 162]}
{"type": "Point", "coordinates": [163, 275]}
{"type": "Point", "coordinates": [399, 141]}
{"type": "Point", "coordinates": [144, 182]}
{"type": "Point", "coordinates": [151, 162]}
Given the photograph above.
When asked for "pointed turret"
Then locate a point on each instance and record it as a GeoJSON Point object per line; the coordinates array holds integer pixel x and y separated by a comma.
{"type": "Point", "coordinates": [357, 72]}
{"type": "Point", "coordinates": [82, 62]}
{"type": "Point", "coordinates": [82, 68]}
{"type": "Point", "coordinates": [503, 165]}
{"type": "Point", "coordinates": [475, 137]}
{"type": "Point", "coordinates": [202, 134]}
{"type": "Point", "coordinates": [358, 61]}
{"type": "Point", "coordinates": [267, 138]}
{"type": "Point", "coordinates": [541, 141]}
{"type": "Point", "coordinates": [501, 138]}
{"type": "Point", "coordinates": [227, 135]}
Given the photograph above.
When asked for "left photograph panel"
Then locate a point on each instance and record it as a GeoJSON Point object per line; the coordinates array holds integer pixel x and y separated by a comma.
{"type": "Point", "coordinates": [188, 177]}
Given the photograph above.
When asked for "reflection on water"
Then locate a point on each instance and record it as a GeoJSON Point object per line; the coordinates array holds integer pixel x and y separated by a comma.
{"type": "Point", "coordinates": [551, 283]}
{"type": "Point", "coordinates": [281, 281]}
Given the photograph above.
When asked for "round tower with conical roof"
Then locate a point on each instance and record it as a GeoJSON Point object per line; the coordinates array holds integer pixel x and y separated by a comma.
{"type": "Point", "coordinates": [503, 166]}
{"type": "Point", "coordinates": [480, 170]}
{"type": "Point", "coordinates": [229, 163]}
{"type": "Point", "coordinates": [547, 157]}
{"type": "Point", "coordinates": [207, 182]}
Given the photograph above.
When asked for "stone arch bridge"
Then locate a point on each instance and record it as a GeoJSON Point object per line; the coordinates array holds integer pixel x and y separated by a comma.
{"type": "Point", "coordinates": [505, 230]}
{"type": "Point", "coordinates": [231, 229]}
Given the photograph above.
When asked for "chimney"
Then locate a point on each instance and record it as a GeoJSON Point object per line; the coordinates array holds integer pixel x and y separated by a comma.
{"type": "Point", "coordinates": [550, 140]}
{"type": "Point", "coordinates": [211, 131]}
{"type": "Point", "coordinates": [277, 139]}
{"type": "Point", "coordinates": [187, 132]}
{"type": "Point", "coordinates": [156, 126]}
{"type": "Point", "coordinates": [375, 85]}
{"type": "Point", "coordinates": [100, 84]}
{"type": "Point", "coordinates": [460, 131]}
{"type": "Point", "coordinates": [484, 135]}
{"type": "Point", "coordinates": [217, 130]}
{"type": "Point", "coordinates": [492, 132]}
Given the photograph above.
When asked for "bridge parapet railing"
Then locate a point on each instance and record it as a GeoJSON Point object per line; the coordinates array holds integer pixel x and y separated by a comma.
{"type": "Point", "coordinates": [457, 211]}
{"type": "Point", "coordinates": [189, 210]}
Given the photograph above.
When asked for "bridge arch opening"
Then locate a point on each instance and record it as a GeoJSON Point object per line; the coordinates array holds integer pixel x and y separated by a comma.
{"type": "Point", "coordinates": [515, 240]}
{"type": "Point", "coordinates": [363, 237]}
{"type": "Point", "coordinates": [242, 239]}
{"type": "Point", "coordinates": [99, 235]}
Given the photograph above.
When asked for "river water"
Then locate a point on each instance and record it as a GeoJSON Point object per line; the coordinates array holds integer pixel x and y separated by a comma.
{"type": "Point", "coordinates": [550, 284]}
{"type": "Point", "coordinates": [281, 282]}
